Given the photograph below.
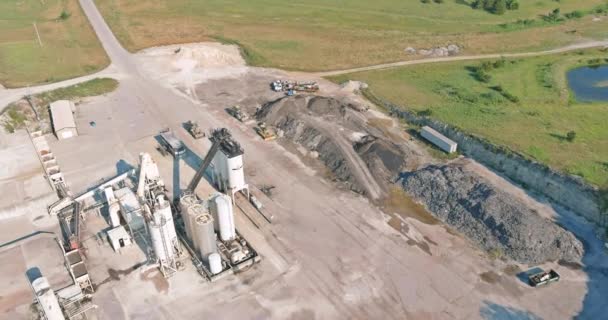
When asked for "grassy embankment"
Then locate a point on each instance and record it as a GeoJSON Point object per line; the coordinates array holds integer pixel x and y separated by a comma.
{"type": "Point", "coordinates": [19, 114]}
{"type": "Point", "coordinates": [523, 104]}
{"type": "Point", "coordinates": [334, 34]}
{"type": "Point", "coordinates": [69, 45]}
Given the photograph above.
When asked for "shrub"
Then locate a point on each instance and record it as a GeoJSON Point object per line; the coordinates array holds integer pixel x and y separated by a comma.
{"type": "Point", "coordinates": [570, 136]}
{"type": "Point", "coordinates": [64, 15]}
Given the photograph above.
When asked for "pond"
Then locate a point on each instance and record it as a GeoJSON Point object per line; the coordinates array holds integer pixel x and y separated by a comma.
{"type": "Point", "coordinates": [589, 83]}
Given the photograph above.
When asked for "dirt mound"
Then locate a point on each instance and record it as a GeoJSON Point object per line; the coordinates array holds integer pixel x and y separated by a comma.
{"type": "Point", "coordinates": [358, 155]}
{"type": "Point", "coordinates": [495, 220]}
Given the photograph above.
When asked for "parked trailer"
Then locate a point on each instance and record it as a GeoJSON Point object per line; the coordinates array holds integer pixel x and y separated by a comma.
{"type": "Point", "coordinates": [438, 139]}
{"type": "Point", "coordinates": [172, 143]}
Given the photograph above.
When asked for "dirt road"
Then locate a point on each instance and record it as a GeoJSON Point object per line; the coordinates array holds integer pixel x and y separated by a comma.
{"type": "Point", "coordinates": [573, 47]}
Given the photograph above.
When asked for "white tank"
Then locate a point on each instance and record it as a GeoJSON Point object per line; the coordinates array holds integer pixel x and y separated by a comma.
{"type": "Point", "coordinates": [160, 237]}
{"type": "Point", "coordinates": [221, 205]}
{"type": "Point", "coordinates": [185, 202]}
{"type": "Point", "coordinates": [205, 236]}
{"type": "Point", "coordinates": [228, 172]}
{"type": "Point", "coordinates": [48, 300]}
{"type": "Point", "coordinates": [194, 211]}
{"type": "Point", "coordinates": [163, 208]}
{"type": "Point", "coordinates": [215, 263]}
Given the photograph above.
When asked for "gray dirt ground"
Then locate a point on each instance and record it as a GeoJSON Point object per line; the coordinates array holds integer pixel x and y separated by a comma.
{"type": "Point", "coordinates": [329, 254]}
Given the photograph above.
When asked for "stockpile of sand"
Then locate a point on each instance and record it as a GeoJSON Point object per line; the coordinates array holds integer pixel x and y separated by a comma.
{"type": "Point", "coordinates": [188, 65]}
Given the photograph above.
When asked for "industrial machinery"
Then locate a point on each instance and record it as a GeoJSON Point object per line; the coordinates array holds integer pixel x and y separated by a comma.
{"type": "Point", "coordinates": [542, 278]}
{"type": "Point", "coordinates": [204, 221]}
{"type": "Point", "coordinates": [238, 113]}
{"type": "Point", "coordinates": [265, 132]}
{"type": "Point", "coordinates": [47, 300]}
{"type": "Point", "coordinates": [158, 216]}
{"type": "Point", "coordinates": [194, 129]}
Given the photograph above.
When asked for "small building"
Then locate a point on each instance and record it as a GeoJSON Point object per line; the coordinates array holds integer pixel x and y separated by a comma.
{"type": "Point", "coordinates": [63, 119]}
{"type": "Point", "coordinates": [436, 138]}
{"type": "Point", "coordinates": [119, 238]}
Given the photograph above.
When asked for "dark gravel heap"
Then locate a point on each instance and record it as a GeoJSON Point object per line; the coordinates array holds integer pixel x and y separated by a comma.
{"type": "Point", "coordinates": [493, 219]}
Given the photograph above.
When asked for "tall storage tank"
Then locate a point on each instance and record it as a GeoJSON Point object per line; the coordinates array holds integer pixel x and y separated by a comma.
{"type": "Point", "coordinates": [221, 208]}
{"type": "Point", "coordinates": [163, 208]}
{"type": "Point", "coordinates": [186, 201]}
{"type": "Point", "coordinates": [194, 211]}
{"type": "Point", "coordinates": [48, 300]}
{"type": "Point", "coordinates": [236, 175]}
{"type": "Point", "coordinates": [215, 263]}
{"type": "Point", "coordinates": [160, 237]}
{"type": "Point", "coordinates": [205, 236]}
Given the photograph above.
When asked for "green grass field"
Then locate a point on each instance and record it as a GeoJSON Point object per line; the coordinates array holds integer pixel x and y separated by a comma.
{"type": "Point", "coordinates": [69, 45]}
{"type": "Point", "coordinates": [334, 34]}
{"type": "Point", "coordinates": [535, 123]}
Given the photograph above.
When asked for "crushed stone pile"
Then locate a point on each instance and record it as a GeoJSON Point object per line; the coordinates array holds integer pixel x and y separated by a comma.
{"type": "Point", "coordinates": [357, 155]}
{"type": "Point", "coordinates": [491, 218]}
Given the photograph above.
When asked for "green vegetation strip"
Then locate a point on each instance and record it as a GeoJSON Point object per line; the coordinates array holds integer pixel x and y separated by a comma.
{"type": "Point", "coordinates": [524, 105]}
{"type": "Point", "coordinates": [17, 116]}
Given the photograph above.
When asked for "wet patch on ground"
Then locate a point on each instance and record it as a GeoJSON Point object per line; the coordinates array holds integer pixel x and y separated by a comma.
{"type": "Point", "coordinates": [160, 283]}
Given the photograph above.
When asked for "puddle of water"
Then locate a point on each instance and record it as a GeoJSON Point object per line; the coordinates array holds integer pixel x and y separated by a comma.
{"type": "Point", "coordinates": [589, 83]}
{"type": "Point", "coordinates": [400, 203]}
{"type": "Point", "coordinates": [160, 283]}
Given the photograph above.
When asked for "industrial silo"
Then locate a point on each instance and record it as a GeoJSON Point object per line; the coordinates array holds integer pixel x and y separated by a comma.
{"type": "Point", "coordinates": [221, 209]}
{"type": "Point", "coordinates": [163, 208]}
{"type": "Point", "coordinates": [186, 201]}
{"type": "Point", "coordinates": [194, 211]}
{"type": "Point", "coordinates": [160, 237]}
{"type": "Point", "coordinates": [205, 236]}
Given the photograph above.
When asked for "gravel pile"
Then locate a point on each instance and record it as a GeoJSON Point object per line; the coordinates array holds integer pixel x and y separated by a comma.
{"type": "Point", "coordinates": [493, 219]}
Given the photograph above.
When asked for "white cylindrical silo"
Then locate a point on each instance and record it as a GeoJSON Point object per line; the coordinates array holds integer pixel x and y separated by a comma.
{"type": "Point", "coordinates": [48, 300]}
{"type": "Point", "coordinates": [163, 208]}
{"type": "Point", "coordinates": [205, 236]}
{"type": "Point", "coordinates": [225, 217]}
{"type": "Point", "coordinates": [194, 211]}
{"type": "Point", "coordinates": [236, 175]}
{"type": "Point", "coordinates": [215, 263]}
{"type": "Point", "coordinates": [186, 201]}
{"type": "Point", "coordinates": [159, 235]}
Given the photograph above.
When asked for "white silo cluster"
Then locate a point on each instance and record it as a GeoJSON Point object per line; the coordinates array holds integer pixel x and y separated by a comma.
{"type": "Point", "coordinates": [199, 228]}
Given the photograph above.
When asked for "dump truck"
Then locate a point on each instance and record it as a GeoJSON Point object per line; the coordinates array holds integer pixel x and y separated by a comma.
{"type": "Point", "coordinates": [264, 132]}
{"type": "Point", "coordinates": [195, 130]}
{"type": "Point", "coordinates": [238, 113]}
{"type": "Point", "coordinates": [542, 278]}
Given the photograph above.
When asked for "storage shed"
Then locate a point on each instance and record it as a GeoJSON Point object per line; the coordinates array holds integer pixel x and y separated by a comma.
{"type": "Point", "coordinates": [63, 119]}
{"type": "Point", "coordinates": [438, 139]}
